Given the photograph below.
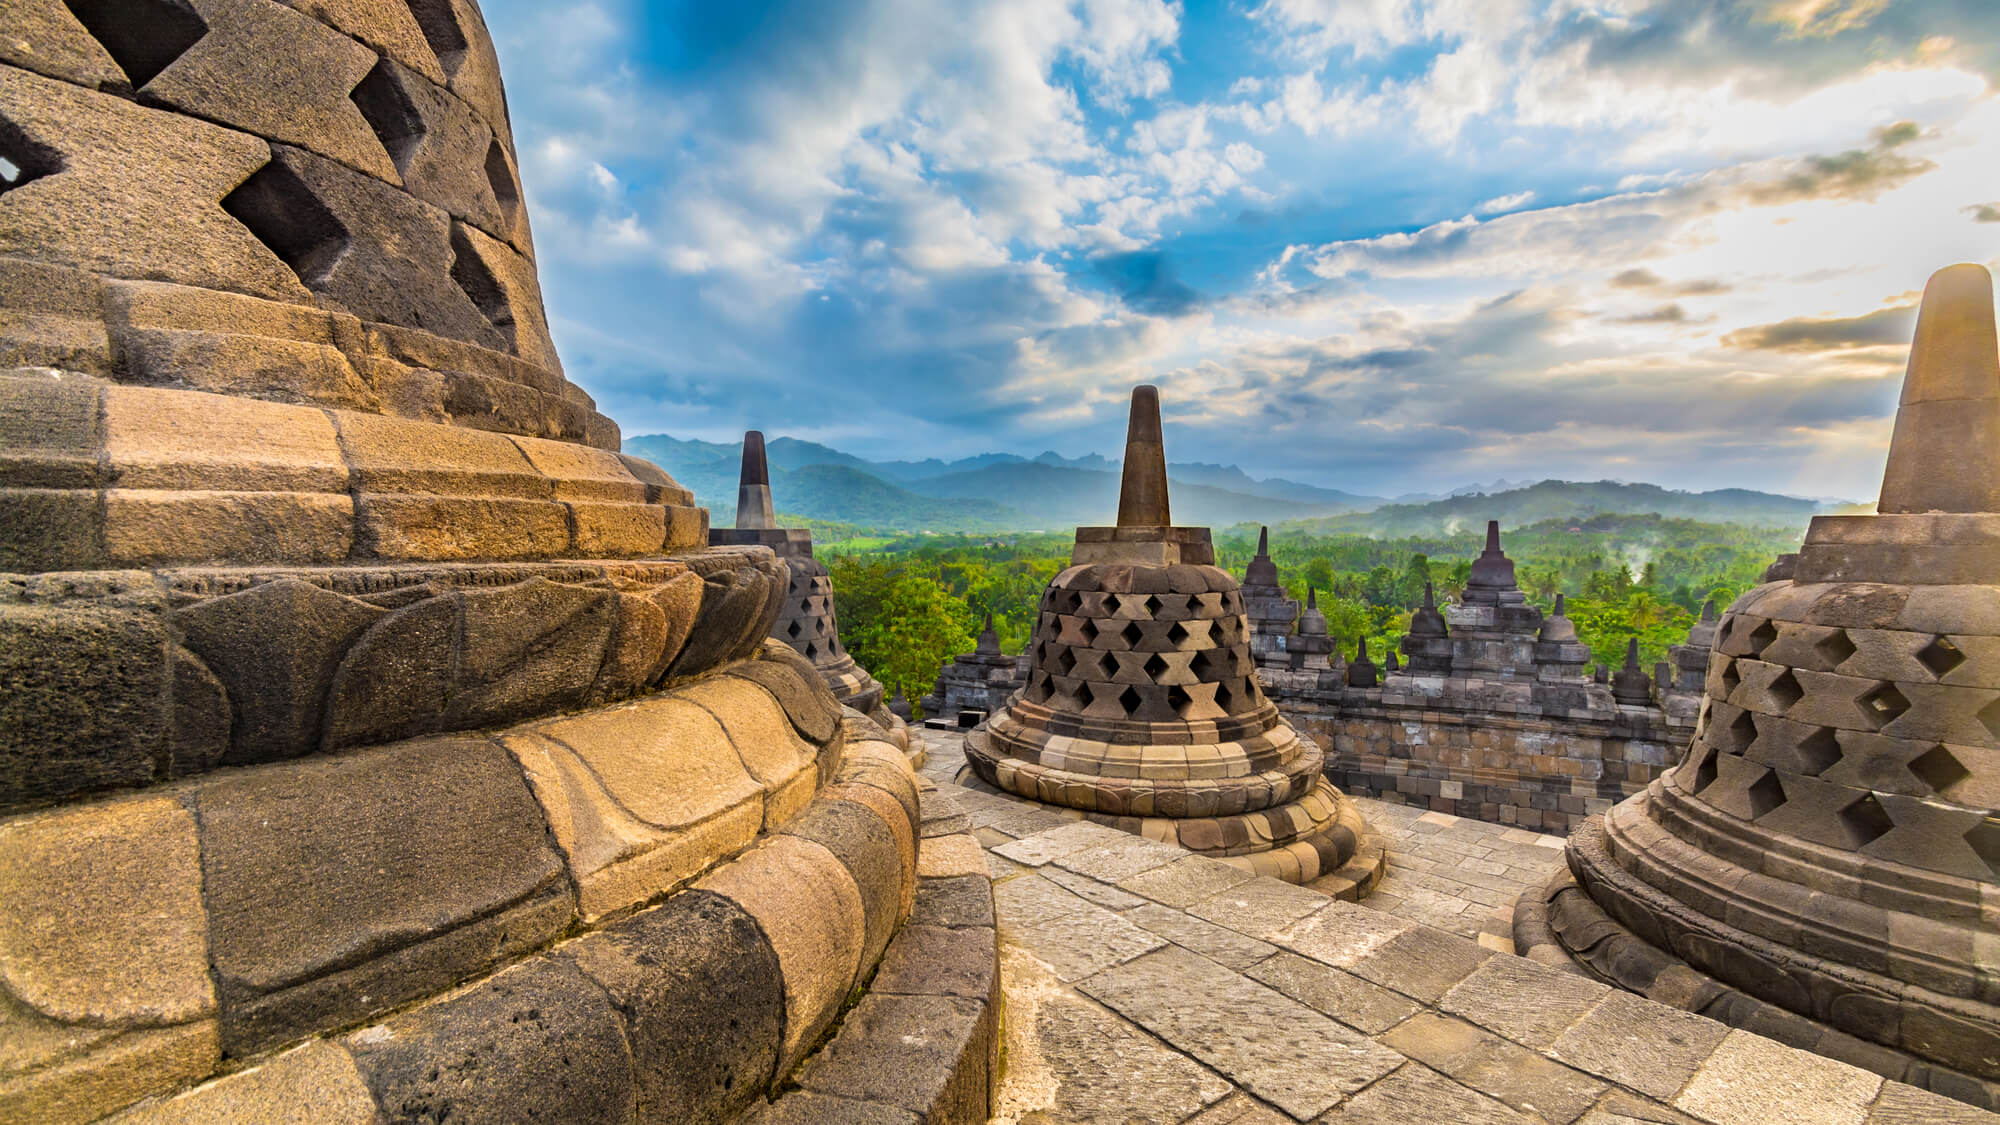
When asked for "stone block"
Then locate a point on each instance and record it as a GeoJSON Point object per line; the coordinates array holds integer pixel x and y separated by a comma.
{"type": "Point", "coordinates": [45, 37]}
{"type": "Point", "coordinates": [700, 994]}
{"type": "Point", "coordinates": [168, 439]}
{"type": "Point", "coordinates": [811, 911]}
{"type": "Point", "coordinates": [44, 529]}
{"type": "Point", "coordinates": [808, 704]}
{"type": "Point", "coordinates": [640, 798]}
{"type": "Point", "coordinates": [275, 649]}
{"type": "Point", "coordinates": [502, 282]}
{"type": "Point", "coordinates": [441, 147]}
{"type": "Point", "coordinates": [941, 857]}
{"type": "Point", "coordinates": [1260, 908]}
{"type": "Point", "coordinates": [50, 432]}
{"type": "Point", "coordinates": [1368, 1008]}
{"type": "Point", "coordinates": [343, 886]}
{"type": "Point", "coordinates": [86, 705]}
{"type": "Point", "coordinates": [143, 527]}
{"type": "Point", "coordinates": [268, 70]}
{"type": "Point", "coordinates": [962, 900]}
{"type": "Point", "coordinates": [229, 362]}
{"type": "Point", "coordinates": [1341, 934]}
{"type": "Point", "coordinates": [803, 1107]}
{"type": "Point", "coordinates": [1223, 1019]}
{"type": "Point", "coordinates": [537, 1042]}
{"type": "Point", "coordinates": [1635, 1042]}
{"type": "Point", "coordinates": [1221, 945]}
{"type": "Point", "coordinates": [396, 456]}
{"type": "Point", "coordinates": [1750, 1080]}
{"type": "Point", "coordinates": [105, 925]}
{"type": "Point", "coordinates": [1417, 1093]}
{"type": "Point", "coordinates": [763, 737]}
{"type": "Point", "coordinates": [89, 212]}
{"type": "Point", "coordinates": [1494, 1066]}
{"type": "Point", "coordinates": [1491, 997]}
{"type": "Point", "coordinates": [115, 1072]}
{"type": "Point", "coordinates": [939, 961]}
{"type": "Point", "coordinates": [317, 1084]}
{"type": "Point", "coordinates": [857, 835]}
{"type": "Point", "coordinates": [925, 1055]}
{"type": "Point", "coordinates": [1422, 963]}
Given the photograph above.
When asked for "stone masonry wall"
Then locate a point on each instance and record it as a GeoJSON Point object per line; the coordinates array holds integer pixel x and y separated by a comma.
{"type": "Point", "coordinates": [1539, 773]}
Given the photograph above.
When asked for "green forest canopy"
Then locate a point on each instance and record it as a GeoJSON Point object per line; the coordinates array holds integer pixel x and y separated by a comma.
{"type": "Point", "coordinates": [906, 605]}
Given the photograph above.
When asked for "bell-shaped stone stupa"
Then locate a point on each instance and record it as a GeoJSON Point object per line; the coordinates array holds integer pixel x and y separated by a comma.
{"type": "Point", "coordinates": [1143, 710]}
{"type": "Point", "coordinates": [807, 621]}
{"type": "Point", "coordinates": [377, 742]}
{"type": "Point", "coordinates": [1823, 865]}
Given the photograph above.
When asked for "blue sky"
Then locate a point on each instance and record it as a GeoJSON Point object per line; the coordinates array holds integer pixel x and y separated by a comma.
{"type": "Point", "coordinates": [1382, 245]}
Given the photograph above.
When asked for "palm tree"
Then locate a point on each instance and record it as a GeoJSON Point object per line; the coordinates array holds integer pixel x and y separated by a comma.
{"type": "Point", "coordinates": [1644, 610]}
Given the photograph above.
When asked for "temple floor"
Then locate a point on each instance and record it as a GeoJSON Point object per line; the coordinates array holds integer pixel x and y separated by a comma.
{"type": "Point", "coordinates": [1143, 983]}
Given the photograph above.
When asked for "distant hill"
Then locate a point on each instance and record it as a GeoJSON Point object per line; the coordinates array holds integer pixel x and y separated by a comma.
{"type": "Point", "coordinates": [1003, 492]}
{"type": "Point", "coordinates": [1559, 500]}
{"type": "Point", "coordinates": [839, 493]}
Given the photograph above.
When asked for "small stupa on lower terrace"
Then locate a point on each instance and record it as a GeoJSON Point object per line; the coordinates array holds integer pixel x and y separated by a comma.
{"type": "Point", "coordinates": [807, 621]}
{"type": "Point", "coordinates": [1143, 710]}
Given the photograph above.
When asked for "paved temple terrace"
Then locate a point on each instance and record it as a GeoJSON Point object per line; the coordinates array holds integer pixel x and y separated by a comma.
{"type": "Point", "coordinates": [1146, 984]}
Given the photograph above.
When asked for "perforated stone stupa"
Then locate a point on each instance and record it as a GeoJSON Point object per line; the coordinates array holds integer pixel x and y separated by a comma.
{"type": "Point", "coordinates": [978, 682]}
{"type": "Point", "coordinates": [378, 743]}
{"type": "Point", "coordinates": [807, 622]}
{"type": "Point", "coordinates": [1143, 709]}
{"type": "Point", "coordinates": [1823, 864]}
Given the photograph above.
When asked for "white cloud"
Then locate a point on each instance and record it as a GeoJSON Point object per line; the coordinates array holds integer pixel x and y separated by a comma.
{"type": "Point", "coordinates": [1506, 203]}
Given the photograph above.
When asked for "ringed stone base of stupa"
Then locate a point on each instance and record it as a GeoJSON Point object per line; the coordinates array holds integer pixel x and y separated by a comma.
{"type": "Point", "coordinates": [1771, 955]}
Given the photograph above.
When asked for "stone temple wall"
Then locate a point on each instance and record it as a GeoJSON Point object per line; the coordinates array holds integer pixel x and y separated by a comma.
{"type": "Point", "coordinates": [1540, 773]}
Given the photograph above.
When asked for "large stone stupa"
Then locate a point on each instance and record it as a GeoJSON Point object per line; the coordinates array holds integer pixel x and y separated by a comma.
{"type": "Point", "coordinates": [377, 742]}
{"type": "Point", "coordinates": [1143, 710]}
{"type": "Point", "coordinates": [1823, 865]}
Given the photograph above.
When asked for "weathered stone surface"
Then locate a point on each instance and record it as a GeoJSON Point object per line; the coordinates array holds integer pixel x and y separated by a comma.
{"type": "Point", "coordinates": [1750, 1080]}
{"type": "Point", "coordinates": [1650, 1047]}
{"type": "Point", "coordinates": [1082, 942]}
{"type": "Point", "coordinates": [105, 924]}
{"type": "Point", "coordinates": [386, 25]}
{"type": "Point", "coordinates": [942, 857]}
{"type": "Point", "coordinates": [395, 265]}
{"type": "Point", "coordinates": [641, 797]}
{"type": "Point", "coordinates": [936, 961]}
{"type": "Point", "coordinates": [1492, 997]}
{"type": "Point", "coordinates": [50, 430]}
{"type": "Point", "coordinates": [1906, 1105]}
{"type": "Point", "coordinates": [1270, 1045]}
{"type": "Point", "coordinates": [170, 439]}
{"type": "Point", "coordinates": [148, 528]}
{"type": "Point", "coordinates": [503, 284]}
{"type": "Point", "coordinates": [866, 847]}
{"type": "Point", "coordinates": [275, 647]}
{"type": "Point", "coordinates": [439, 145]}
{"type": "Point", "coordinates": [964, 900]}
{"type": "Point", "coordinates": [803, 1107]}
{"type": "Point", "coordinates": [1367, 1007]}
{"type": "Point", "coordinates": [927, 1055]}
{"type": "Point", "coordinates": [1495, 1067]}
{"type": "Point", "coordinates": [1123, 859]}
{"type": "Point", "coordinates": [317, 1084]}
{"type": "Point", "coordinates": [1103, 894]}
{"type": "Point", "coordinates": [810, 910]}
{"type": "Point", "coordinates": [1068, 839]}
{"type": "Point", "coordinates": [91, 212]}
{"type": "Point", "coordinates": [343, 886]}
{"type": "Point", "coordinates": [113, 1073]}
{"type": "Point", "coordinates": [43, 36]}
{"type": "Point", "coordinates": [1421, 962]}
{"type": "Point", "coordinates": [535, 1042]}
{"type": "Point", "coordinates": [1417, 1093]}
{"type": "Point", "coordinates": [268, 70]}
{"type": "Point", "coordinates": [1186, 881]}
{"type": "Point", "coordinates": [1218, 944]}
{"type": "Point", "coordinates": [1341, 935]}
{"type": "Point", "coordinates": [1069, 1060]}
{"type": "Point", "coordinates": [1260, 908]}
{"type": "Point", "coordinates": [700, 993]}
{"type": "Point", "coordinates": [85, 705]}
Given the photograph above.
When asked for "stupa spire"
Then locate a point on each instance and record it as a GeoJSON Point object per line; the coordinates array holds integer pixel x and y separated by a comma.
{"type": "Point", "coordinates": [1142, 494]}
{"type": "Point", "coordinates": [1263, 542]}
{"type": "Point", "coordinates": [753, 487]}
{"type": "Point", "coordinates": [989, 641]}
{"type": "Point", "coordinates": [1945, 454]}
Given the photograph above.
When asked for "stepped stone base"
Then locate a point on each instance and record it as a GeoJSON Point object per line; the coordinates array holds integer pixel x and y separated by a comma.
{"type": "Point", "coordinates": [1624, 927]}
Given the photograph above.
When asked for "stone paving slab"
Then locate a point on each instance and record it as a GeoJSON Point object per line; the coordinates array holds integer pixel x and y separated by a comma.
{"type": "Point", "coordinates": [1174, 994]}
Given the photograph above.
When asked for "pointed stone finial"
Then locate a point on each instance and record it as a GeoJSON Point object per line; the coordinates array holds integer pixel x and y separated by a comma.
{"type": "Point", "coordinates": [1430, 596]}
{"type": "Point", "coordinates": [1945, 454]}
{"type": "Point", "coordinates": [1263, 542]}
{"type": "Point", "coordinates": [1312, 598]}
{"type": "Point", "coordinates": [1492, 570]}
{"type": "Point", "coordinates": [1708, 614]}
{"type": "Point", "coordinates": [989, 641]}
{"type": "Point", "coordinates": [1142, 493]}
{"type": "Point", "coordinates": [1632, 655]}
{"type": "Point", "coordinates": [1559, 605]}
{"type": "Point", "coordinates": [1391, 663]}
{"type": "Point", "coordinates": [753, 488]}
{"type": "Point", "coordinates": [1361, 649]}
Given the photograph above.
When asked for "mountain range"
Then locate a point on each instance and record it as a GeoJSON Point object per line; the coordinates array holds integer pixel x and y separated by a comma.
{"type": "Point", "coordinates": [993, 492]}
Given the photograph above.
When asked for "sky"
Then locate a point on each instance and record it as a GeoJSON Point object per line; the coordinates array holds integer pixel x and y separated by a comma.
{"type": "Point", "coordinates": [1378, 245]}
